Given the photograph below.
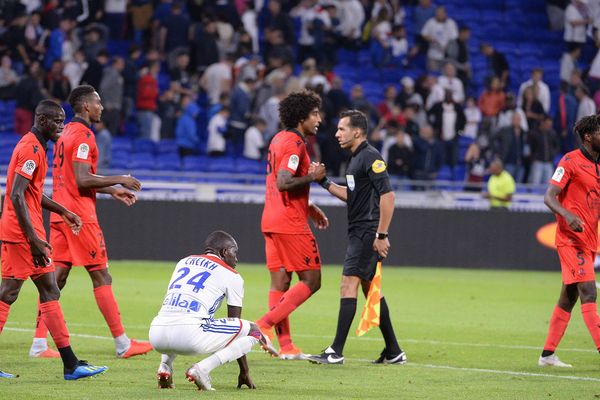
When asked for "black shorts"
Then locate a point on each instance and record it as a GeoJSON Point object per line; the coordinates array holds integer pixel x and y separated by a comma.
{"type": "Point", "coordinates": [360, 259]}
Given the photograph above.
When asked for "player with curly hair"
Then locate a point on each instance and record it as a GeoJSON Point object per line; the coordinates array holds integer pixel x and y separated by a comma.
{"type": "Point", "coordinates": [289, 243]}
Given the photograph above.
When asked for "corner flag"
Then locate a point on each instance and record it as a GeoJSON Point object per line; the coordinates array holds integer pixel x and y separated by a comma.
{"type": "Point", "coordinates": [370, 315]}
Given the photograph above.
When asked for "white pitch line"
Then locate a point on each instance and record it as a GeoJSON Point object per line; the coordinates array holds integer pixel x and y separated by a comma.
{"type": "Point", "coordinates": [410, 364]}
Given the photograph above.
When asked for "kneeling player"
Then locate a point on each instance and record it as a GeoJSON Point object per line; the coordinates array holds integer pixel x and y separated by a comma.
{"type": "Point", "coordinates": [185, 323]}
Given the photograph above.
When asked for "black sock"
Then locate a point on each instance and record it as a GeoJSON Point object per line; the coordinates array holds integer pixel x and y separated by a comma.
{"type": "Point", "coordinates": [387, 330]}
{"type": "Point", "coordinates": [547, 353]}
{"type": "Point", "coordinates": [347, 311]}
{"type": "Point", "coordinates": [68, 358]}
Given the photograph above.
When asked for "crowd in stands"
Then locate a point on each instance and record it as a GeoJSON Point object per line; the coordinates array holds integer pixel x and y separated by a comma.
{"type": "Point", "coordinates": [210, 76]}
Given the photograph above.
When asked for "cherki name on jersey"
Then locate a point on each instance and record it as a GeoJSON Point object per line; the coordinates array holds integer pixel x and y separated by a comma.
{"type": "Point", "coordinates": [201, 262]}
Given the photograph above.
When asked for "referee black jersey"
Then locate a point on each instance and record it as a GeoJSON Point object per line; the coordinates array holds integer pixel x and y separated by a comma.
{"type": "Point", "coordinates": [366, 180]}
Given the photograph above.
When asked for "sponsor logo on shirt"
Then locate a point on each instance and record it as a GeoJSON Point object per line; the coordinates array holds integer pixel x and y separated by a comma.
{"type": "Point", "coordinates": [350, 182]}
{"type": "Point", "coordinates": [28, 167]}
{"type": "Point", "coordinates": [83, 151]}
{"type": "Point", "coordinates": [293, 162]}
{"type": "Point", "coordinates": [378, 166]}
{"type": "Point", "coordinates": [558, 174]}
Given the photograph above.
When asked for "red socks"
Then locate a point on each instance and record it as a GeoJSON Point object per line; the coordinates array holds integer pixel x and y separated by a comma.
{"type": "Point", "coordinates": [556, 330]}
{"type": "Point", "coordinates": [297, 295]}
{"type": "Point", "coordinates": [590, 316]}
{"type": "Point", "coordinates": [283, 327]}
{"type": "Point", "coordinates": [109, 309]}
{"type": "Point", "coordinates": [4, 309]}
{"type": "Point", "coordinates": [41, 331]}
{"type": "Point", "coordinates": [54, 319]}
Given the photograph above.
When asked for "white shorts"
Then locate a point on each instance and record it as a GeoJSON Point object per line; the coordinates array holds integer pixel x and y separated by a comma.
{"type": "Point", "coordinates": [193, 336]}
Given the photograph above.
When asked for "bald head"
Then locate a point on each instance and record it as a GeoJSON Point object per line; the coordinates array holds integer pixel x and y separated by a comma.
{"type": "Point", "coordinates": [223, 245]}
{"type": "Point", "coordinates": [49, 108]}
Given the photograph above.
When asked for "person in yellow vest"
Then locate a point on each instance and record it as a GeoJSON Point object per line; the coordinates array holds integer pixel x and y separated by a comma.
{"type": "Point", "coordinates": [501, 186]}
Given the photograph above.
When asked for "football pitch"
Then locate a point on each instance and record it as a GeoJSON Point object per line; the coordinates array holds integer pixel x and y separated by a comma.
{"type": "Point", "coordinates": [468, 334]}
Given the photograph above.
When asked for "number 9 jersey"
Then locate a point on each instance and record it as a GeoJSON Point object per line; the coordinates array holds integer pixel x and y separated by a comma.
{"type": "Point", "coordinates": [198, 286]}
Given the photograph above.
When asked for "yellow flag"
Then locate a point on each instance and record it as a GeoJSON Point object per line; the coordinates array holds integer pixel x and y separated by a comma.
{"type": "Point", "coordinates": [370, 315]}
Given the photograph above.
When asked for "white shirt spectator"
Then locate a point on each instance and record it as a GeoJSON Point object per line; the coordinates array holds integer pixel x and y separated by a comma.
{"type": "Point", "coordinates": [382, 32]}
{"type": "Point", "coordinates": [216, 80]}
{"type": "Point", "coordinates": [586, 108]}
{"type": "Point", "coordinates": [473, 118]}
{"type": "Point", "coordinates": [399, 47]}
{"type": "Point", "coordinates": [574, 33]}
{"type": "Point", "coordinates": [505, 119]}
{"type": "Point", "coordinates": [216, 127]}
{"type": "Point", "coordinates": [441, 34]}
{"type": "Point", "coordinates": [435, 96]}
{"type": "Point", "coordinates": [74, 71]}
{"type": "Point", "coordinates": [595, 67]}
{"type": "Point", "coordinates": [253, 143]}
{"type": "Point", "coordinates": [307, 15]}
{"type": "Point", "coordinates": [270, 113]}
{"type": "Point", "coordinates": [567, 66]}
{"type": "Point", "coordinates": [543, 94]}
{"type": "Point", "coordinates": [454, 85]}
{"type": "Point", "coordinates": [115, 6]}
{"type": "Point", "coordinates": [448, 121]}
{"type": "Point", "coordinates": [352, 15]}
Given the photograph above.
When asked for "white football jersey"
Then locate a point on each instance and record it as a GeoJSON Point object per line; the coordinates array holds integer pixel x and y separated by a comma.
{"type": "Point", "coordinates": [198, 286]}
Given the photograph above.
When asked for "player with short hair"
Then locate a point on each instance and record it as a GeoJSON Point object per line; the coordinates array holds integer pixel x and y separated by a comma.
{"type": "Point", "coordinates": [75, 184]}
{"type": "Point", "coordinates": [25, 252]}
{"type": "Point", "coordinates": [370, 200]}
{"type": "Point", "coordinates": [290, 245]}
{"type": "Point", "coordinates": [186, 324]}
{"type": "Point", "coordinates": [573, 195]}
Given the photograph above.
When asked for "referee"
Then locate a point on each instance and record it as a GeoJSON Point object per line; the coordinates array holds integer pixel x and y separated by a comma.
{"type": "Point", "coordinates": [370, 200]}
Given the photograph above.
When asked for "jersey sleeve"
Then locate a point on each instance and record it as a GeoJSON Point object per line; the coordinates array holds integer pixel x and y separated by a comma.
{"type": "Point", "coordinates": [28, 161]}
{"type": "Point", "coordinates": [84, 147]}
{"type": "Point", "coordinates": [563, 172]}
{"type": "Point", "coordinates": [291, 155]}
{"type": "Point", "coordinates": [377, 171]}
{"type": "Point", "coordinates": [235, 291]}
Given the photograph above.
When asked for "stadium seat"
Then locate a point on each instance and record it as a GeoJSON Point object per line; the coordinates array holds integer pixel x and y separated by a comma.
{"type": "Point", "coordinates": [121, 144]}
{"type": "Point", "coordinates": [142, 161]}
{"type": "Point", "coordinates": [246, 166]}
{"type": "Point", "coordinates": [167, 146]}
{"type": "Point", "coordinates": [194, 164]}
{"type": "Point", "coordinates": [144, 146]}
{"type": "Point", "coordinates": [167, 162]}
{"type": "Point", "coordinates": [221, 164]}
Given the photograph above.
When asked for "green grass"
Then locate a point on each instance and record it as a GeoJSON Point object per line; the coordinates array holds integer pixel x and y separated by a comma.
{"type": "Point", "coordinates": [468, 334]}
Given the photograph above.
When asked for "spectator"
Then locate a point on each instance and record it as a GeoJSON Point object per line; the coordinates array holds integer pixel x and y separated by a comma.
{"type": "Point", "coordinates": [352, 17]}
{"type": "Point", "coordinates": [501, 187]}
{"type": "Point", "coordinates": [399, 45]}
{"type": "Point", "coordinates": [8, 79]}
{"type": "Point", "coordinates": [75, 68]}
{"type": "Point", "coordinates": [423, 12]}
{"type": "Point", "coordinates": [448, 121]}
{"type": "Point", "coordinates": [497, 64]}
{"type": "Point", "coordinates": [542, 91]}
{"type": "Point", "coordinates": [272, 18]}
{"type": "Point", "coordinates": [218, 78]}
{"type": "Point", "coordinates": [186, 131]}
{"type": "Point", "coordinates": [577, 17]}
{"type": "Point", "coordinates": [509, 146]}
{"type": "Point", "coordinates": [410, 114]}
{"type": "Point", "coordinates": [389, 98]}
{"type": "Point", "coordinates": [36, 35]}
{"type": "Point", "coordinates": [103, 141]}
{"type": "Point", "coordinates": [269, 112]}
{"type": "Point", "coordinates": [28, 95]}
{"type": "Point", "coordinates": [400, 156]}
{"type": "Point", "coordinates": [534, 112]}
{"type": "Point", "coordinates": [168, 109]}
{"type": "Point", "coordinates": [93, 73]}
{"type": "Point", "coordinates": [544, 145]}
{"type": "Point", "coordinates": [359, 102]}
{"type": "Point", "coordinates": [111, 91]}
{"type": "Point", "coordinates": [312, 18]}
{"type": "Point", "coordinates": [429, 155]}
{"type": "Point", "coordinates": [332, 37]}
{"type": "Point", "coordinates": [95, 40]}
{"type": "Point", "coordinates": [407, 94]}
{"type": "Point", "coordinates": [217, 127]}
{"type": "Point", "coordinates": [586, 105]}
{"type": "Point", "coordinates": [380, 38]}
{"type": "Point", "coordinates": [449, 82]}
{"type": "Point", "coordinates": [556, 13]}
{"type": "Point", "coordinates": [475, 163]}
{"type": "Point", "coordinates": [141, 14]}
{"type": "Point", "coordinates": [204, 47]}
{"type": "Point", "coordinates": [458, 53]}
{"type": "Point", "coordinates": [438, 32]}
{"type": "Point", "coordinates": [254, 142]}
{"type": "Point", "coordinates": [175, 30]}
{"type": "Point", "coordinates": [493, 98]}
{"type": "Point", "coordinates": [240, 112]}
{"type": "Point", "coordinates": [114, 17]}
{"type": "Point", "coordinates": [16, 43]}
{"type": "Point", "coordinates": [472, 118]}
{"type": "Point", "coordinates": [146, 101]}
{"type": "Point", "coordinates": [276, 51]}
{"type": "Point", "coordinates": [338, 98]}
{"type": "Point", "coordinates": [56, 83]}
{"type": "Point", "coordinates": [505, 117]}
{"type": "Point", "coordinates": [564, 118]}
{"type": "Point", "coordinates": [568, 63]}
{"type": "Point", "coordinates": [130, 74]}
{"type": "Point", "coordinates": [182, 82]}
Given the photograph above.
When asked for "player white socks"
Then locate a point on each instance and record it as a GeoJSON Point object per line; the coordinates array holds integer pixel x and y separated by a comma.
{"type": "Point", "coordinates": [122, 343]}
{"type": "Point", "coordinates": [38, 346]}
{"type": "Point", "coordinates": [235, 350]}
{"type": "Point", "coordinates": [168, 359]}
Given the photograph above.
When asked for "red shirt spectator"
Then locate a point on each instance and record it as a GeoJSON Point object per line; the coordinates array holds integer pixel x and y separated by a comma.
{"type": "Point", "coordinates": [147, 89]}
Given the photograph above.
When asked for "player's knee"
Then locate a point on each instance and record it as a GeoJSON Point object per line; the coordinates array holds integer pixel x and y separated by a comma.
{"type": "Point", "coordinates": [9, 295]}
{"type": "Point", "coordinates": [50, 293]}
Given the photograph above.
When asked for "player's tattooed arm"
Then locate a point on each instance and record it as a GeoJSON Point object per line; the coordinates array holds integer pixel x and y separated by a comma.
{"type": "Point", "coordinates": [286, 181]}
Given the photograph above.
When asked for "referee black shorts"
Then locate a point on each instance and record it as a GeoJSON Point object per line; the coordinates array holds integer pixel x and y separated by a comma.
{"type": "Point", "coordinates": [360, 259]}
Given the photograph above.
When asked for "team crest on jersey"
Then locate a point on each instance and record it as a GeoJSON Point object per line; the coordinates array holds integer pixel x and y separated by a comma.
{"type": "Point", "coordinates": [293, 162]}
{"type": "Point", "coordinates": [378, 166]}
{"type": "Point", "coordinates": [83, 151]}
{"type": "Point", "coordinates": [350, 182]}
{"type": "Point", "coordinates": [28, 167]}
{"type": "Point", "coordinates": [558, 174]}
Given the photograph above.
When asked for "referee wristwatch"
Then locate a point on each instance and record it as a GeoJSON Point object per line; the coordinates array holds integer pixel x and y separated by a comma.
{"type": "Point", "coordinates": [381, 235]}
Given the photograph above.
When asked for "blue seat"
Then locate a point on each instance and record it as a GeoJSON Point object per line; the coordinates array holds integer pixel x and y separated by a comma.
{"type": "Point", "coordinates": [142, 145]}
{"type": "Point", "coordinates": [444, 174]}
{"type": "Point", "coordinates": [246, 166]}
{"type": "Point", "coordinates": [166, 146]}
{"type": "Point", "coordinates": [194, 164]}
{"type": "Point", "coordinates": [121, 144]}
{"type": "Point", "coordinates": [221, 164]}
{"type": "Point", "coordinates": [167, 162]}
{"type": "Point", "coordinates": [142, 161]}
